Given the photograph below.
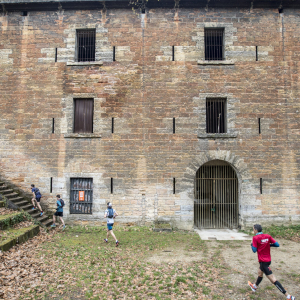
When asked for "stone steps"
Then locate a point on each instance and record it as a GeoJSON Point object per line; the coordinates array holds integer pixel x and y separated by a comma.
{"type": "Point", "coordinates": [19, 203]}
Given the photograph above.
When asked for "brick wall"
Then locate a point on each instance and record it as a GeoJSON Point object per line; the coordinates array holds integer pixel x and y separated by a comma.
{"type": "Point", "coordinates": [143, 90]}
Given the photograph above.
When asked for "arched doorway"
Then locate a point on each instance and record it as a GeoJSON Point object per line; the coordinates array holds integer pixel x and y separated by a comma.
{"type": "Point", "coordinates": [216, 196]}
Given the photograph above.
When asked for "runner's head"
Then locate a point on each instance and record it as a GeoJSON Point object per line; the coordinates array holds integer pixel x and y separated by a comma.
{"type": "Point", "coordinates": [109, 205]}
{"type": "Point", "coordinates": [32, 185]}
{"type": "Point", "coordinates": [57, 196]}
{"type": "Point", "coordinates": [257, 228]}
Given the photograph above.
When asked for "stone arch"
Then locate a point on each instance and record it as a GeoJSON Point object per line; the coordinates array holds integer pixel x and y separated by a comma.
{"type": "Point", "coordinates": [245, 182]}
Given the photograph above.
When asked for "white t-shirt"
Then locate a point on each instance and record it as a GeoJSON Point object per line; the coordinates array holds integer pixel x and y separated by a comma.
{"type": "Point", "coordinates": [110, 220]}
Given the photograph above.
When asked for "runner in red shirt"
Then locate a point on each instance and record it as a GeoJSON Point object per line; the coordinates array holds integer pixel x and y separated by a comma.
{"type": "Point", "coordinates": [261, 244]}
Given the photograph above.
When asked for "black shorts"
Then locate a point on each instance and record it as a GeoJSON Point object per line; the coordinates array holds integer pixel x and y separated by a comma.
{"type": "Point", "coordinates": [265, 267]}
{"type": "Point", "coordinates": [59, 214]}
{"type": "Point", "coordinates": [38, 199]}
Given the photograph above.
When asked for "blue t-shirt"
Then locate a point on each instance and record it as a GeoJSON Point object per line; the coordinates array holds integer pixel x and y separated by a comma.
{"type": "Point", "coordinates": [36, 192]}
{"type": "Point", "coordinates": [59, 206]}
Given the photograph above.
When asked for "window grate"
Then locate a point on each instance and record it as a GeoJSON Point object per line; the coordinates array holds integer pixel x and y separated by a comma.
{"type": "Point", "coordinates": [214, 44]}
{"type": "Point", "coordinates": [81, 201]}
{"type": "Point", "coordinates": [215, 115]}
{"type": "Point", "coordinates": [86, 40]}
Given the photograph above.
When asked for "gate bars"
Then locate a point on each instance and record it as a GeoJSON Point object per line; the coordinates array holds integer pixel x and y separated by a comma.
{"type": "Point", "coordinates": [216, 197]}
{"type": "Point", "coordinates": [85, 205]}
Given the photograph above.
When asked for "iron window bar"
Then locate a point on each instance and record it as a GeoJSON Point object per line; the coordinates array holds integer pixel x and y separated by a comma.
{"type": "Point", "coordinates": [215, 115]}
{"type": "Point", "coordinates": [77, 205]}
{"type": "Point", "coordinates": [86, 40]}
{"type": "Point", "coordinates": [214, 44]}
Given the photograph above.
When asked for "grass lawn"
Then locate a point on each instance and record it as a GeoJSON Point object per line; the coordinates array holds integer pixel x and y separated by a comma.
{"type": "Point", "coordinates": [78, 264]}
{"type": "Point", "coordinates": [85, 267]}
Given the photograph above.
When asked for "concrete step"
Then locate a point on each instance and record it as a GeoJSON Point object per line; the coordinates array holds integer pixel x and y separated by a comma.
{"type": "Point", "coordinates": [6, 191]}
{"type": "Point", "coordinates": [3, 187]}
{"type": "Point", "coordinates": [16, 199]}
{"type": "Point", "coordinates": [25, 206]}
{"type": "Point", "coordinates": [43, 218]}
{"type": "Point", "coordinates": [31, 211]}
{"type": "Point", "coordinates": [2, 203]}
{"type": "Point", "coordinates": [21, 202]}
{"type": "Point", "coordinates": [12, 195]}
{"type": "Point", "coordinates": [47, 222]}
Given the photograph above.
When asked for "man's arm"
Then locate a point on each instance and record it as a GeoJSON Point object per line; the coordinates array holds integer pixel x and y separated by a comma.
{"type": "Point", "coordinates": [276, 244]}
{"type": "Point", "coordinates": [115, 214]}
{"type": "Point", "coordinates": [254, 249]}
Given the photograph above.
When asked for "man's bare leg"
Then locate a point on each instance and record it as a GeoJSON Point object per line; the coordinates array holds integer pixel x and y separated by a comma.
{"type": "Point", "coordinates": [113, 235]}
{"type": "Point", "coordinates": [39, 206]}
{"type": "Point", "coordinates": [62, 221]}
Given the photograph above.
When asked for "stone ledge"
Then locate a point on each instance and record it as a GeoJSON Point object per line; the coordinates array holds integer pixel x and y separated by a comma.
{"type": "Point", "coordinates": [82, 136]}
{"type": "Point", "coordinates": [85, 63]}
{"type": "Point", "coordinates": [23, 237]}
{"type": "Point", "coordinates": [215, 62]}
{"type": "Point", "coordinates": [217, 136]}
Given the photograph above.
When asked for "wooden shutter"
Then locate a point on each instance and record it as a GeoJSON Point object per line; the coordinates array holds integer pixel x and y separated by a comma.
{"type": "Point", "coordinates": [83, 115]}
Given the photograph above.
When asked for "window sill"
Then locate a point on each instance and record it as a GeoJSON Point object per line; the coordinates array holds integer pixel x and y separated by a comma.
{"type": "Point", "coordinates": [82, 136]}
{"type": "Point", "coordinates": [215, 62]}
{"type": "Point", "coordinates": [85, 63]}
{"type": "Point", "coordinates": [217, 136]}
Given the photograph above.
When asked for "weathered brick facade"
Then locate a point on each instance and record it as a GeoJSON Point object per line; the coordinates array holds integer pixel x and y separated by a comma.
{"type": "Point", "coordinates": [143, 90]}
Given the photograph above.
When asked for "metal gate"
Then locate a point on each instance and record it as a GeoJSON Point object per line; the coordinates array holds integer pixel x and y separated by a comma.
{"type": "Point", "coordinates": [216, 196]}
{"type": "Point", "coordinates": [81, 201]}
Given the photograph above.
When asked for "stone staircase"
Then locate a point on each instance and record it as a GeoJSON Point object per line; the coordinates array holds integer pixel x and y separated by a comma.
{"type": "Point", "coordinates": [18, 202]}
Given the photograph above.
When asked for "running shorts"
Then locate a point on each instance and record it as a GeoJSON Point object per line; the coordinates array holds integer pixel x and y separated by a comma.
{"type": "Point", "coordinates": [265, 267]}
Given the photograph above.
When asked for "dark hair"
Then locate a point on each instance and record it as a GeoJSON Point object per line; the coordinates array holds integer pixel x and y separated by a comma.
{"type": "Point", "coordinates": [258, 227]}
{"type": "Point", "coordinates": [32, 185]}
{"type": "Point", "coordinates": [58, 196]}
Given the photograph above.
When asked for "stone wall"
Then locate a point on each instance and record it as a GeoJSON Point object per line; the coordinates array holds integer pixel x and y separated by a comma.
{"type": "Point", "coordinates": [143, 90]}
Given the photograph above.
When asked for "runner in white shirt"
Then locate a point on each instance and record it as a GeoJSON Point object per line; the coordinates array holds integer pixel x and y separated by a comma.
{"type": "Point", "coordinates": [110, 214]}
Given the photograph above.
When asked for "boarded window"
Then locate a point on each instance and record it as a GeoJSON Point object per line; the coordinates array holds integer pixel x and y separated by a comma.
{"type": "Point", "coordinates": [83, 115]}
{"type": "Point", "coordinates": [81, 201]}
{"type": "Point", "coordinates": [86, 40]}
{"type": "Point", "coordinates": [215, 115]}
{"type": "Point", "coordinates": [214, 44]}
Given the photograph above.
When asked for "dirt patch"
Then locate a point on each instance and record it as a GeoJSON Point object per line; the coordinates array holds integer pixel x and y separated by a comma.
{"type": "Point", "coordinates": [243, 265]}
{"type": "Point", "coordinates": [173, 256]}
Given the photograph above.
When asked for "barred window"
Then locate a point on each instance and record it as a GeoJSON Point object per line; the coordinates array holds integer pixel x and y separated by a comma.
{"type": "Point", "coordinates": [214, 44]}
{"type": "Point", "coordinates": [81, 201]}
{"type": "Point", "coordinates": [215, 115]}
{"type": "Point", "coordinates": [86, 40]}
{"type": "Point", "coordinates": [83, 115]}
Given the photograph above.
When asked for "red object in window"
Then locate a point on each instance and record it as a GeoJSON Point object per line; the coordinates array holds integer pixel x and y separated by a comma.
{"type": "Point", "coordinates": [81, 195]}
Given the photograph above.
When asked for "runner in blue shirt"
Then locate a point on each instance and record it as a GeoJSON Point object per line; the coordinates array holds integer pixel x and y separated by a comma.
{"type": "Point", "coordinates": [36, 198]}
{"type": "Point", "coordinates": [110, 214]}
{"type": "Point", "coordinates": [59, 212]}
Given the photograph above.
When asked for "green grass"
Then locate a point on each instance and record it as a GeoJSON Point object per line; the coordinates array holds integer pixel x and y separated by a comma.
{"type": "Point", "coordinates": [84, 263]}
{"type": "Point", "coordinates": [286, 232]}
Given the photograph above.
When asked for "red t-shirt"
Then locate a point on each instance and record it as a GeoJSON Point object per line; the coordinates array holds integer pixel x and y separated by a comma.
{"type": "Point", "coordinates": [262, 243]}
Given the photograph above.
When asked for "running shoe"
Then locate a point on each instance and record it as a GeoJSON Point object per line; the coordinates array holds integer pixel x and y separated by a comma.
{"type": "Point", "coordinates": [117, 243]}
{"type": "Point", "coordinates": [41, 214]}
{"type": "Point", "coordinates": [105, 240]}
{"type": "Point", "coordinates": [33, 208]}
{"type": "Point", "coordinates": [64, 227]}
{"type": "Point", "coordinates": [291, 298]}
{"type": "Point", "coordinates": [53, 225]}
{"type": "Point", "coordinates": [253, 288]}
